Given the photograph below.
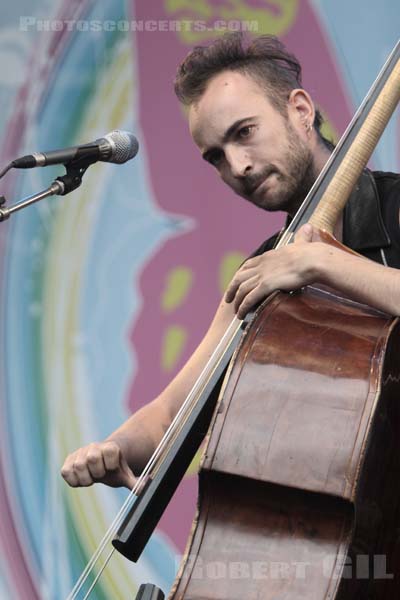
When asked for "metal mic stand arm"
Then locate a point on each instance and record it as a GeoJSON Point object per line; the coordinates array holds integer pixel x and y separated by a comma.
{"type": "Point", "coordinates": [60, 187]}
{"type": "Point", "coordinates": [55, 189]}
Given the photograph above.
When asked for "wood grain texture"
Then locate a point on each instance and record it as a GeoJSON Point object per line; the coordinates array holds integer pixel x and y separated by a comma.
{"type": "Point", "coordinates": [300, 482]}
{"type": "Point", "coordinates": [336, 195]}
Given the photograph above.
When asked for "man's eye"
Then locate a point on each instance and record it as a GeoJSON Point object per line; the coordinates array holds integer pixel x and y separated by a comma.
{"type": "Point", "coordinates": [245, 131]}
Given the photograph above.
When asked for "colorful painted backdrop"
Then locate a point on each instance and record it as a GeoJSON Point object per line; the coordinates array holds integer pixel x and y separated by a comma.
{"type": "Point", "coordinates": [105, 293]}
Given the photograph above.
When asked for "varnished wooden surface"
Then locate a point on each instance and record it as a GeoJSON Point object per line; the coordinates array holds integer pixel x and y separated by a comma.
{"type": "Point", "coordinates": [303, 461]}
{"type": "Point", "coordinates": [255, 542]}
{"type": "Point", "coordinates": [304, 388]}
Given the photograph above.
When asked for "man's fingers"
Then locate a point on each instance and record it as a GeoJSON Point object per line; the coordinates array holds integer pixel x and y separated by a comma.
{"type": "Point", "coordinates": [250, 300]}
{"type": "Point", "coordinates": [241, 277]}
{"type": "Point", "coordinates": [128, 478]}
{"type": "Point", "coordinates": [244, 289]}
{"type": "Point", "coordinates": [232, 288]}
{"type": "Point", "coordinates": [111, 455]}
{"type": "Point", "coordinates": [68, 473]}
{"type": "Point", "coordinates": [305, 233]}
{"type": "Point", "coordinates": [115, 461]}
{"type": "Point", "coordinates": [98, 462]}
{"type": "Point", "coordinates": [95, 462]}
{"type": "Point", "coordinates": [75, 470]}
{"type": "Point", "coordinates": [82, 473]}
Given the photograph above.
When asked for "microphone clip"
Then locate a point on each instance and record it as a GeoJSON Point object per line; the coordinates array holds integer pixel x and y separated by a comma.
{"type": "Point", "coordinates": [73, 177]}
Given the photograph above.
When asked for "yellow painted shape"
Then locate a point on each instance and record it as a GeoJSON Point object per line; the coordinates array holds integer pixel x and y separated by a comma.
{"type": "Point", "coordinates": [178, 285]}
{"type": "Point", "coordinates": [201, 8]}
{"type": "Point", "coordinates": [228, 267]}
{"type": "Point", "coordinates": [172, 346]}
{"type": "Point", "coordinates": [328, 130]}
{"type": "Point", "coordinates": [194, 466]}
{"type": "Point", "coordinates": [201, 20]}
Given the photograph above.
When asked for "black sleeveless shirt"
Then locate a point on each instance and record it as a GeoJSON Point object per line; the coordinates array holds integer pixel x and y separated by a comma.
{"type": "Point", "coordinates": [370, 219]}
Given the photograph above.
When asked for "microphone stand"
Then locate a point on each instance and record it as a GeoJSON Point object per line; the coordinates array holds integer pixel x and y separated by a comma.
{"type": "Point", "coordinates": [60, 187]}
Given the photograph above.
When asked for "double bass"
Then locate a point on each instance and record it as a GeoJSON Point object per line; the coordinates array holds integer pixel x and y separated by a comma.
{"type": "Point", "coordinates": [300, 479]}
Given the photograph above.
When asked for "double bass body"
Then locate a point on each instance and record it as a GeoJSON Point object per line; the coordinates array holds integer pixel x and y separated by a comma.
{"type": "Point", "coordinates": [300, 483]}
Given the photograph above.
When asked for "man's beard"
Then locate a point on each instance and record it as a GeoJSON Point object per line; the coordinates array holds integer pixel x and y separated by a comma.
{"type": "Point", "coordinates": [294, 184]}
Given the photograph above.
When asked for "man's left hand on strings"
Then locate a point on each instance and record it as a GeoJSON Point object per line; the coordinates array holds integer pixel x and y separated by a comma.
{"type": "Point", "coordinates": [288, 268]}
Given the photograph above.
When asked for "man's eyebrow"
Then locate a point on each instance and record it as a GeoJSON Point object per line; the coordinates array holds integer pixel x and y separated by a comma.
{"type": "Point", "coordinates": [231, 129]}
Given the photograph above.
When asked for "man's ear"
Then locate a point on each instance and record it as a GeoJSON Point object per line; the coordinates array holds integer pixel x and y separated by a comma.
{"type": "Point", "coordinates": [301, 107]}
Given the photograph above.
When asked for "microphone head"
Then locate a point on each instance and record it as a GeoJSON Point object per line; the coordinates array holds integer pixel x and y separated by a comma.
{"type": "Point", "coordinates": [124, 146]}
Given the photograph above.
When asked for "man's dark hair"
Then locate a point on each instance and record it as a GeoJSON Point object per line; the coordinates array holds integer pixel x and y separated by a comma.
{"type": "Point", "coordinates": [265, 59]}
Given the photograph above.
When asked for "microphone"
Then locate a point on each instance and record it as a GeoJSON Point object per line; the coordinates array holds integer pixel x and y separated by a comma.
{"type": "Point", "coordinates": [115, 147]}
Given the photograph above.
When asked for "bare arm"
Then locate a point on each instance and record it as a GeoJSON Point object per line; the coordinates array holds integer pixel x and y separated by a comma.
{"type": "Point", "coordinates": [142, 432]}
{"type": "Point", "coordinates": [303, 263]}
{"type": "Point", "coordinates": [127, 450]}
{"type": "Point", "coordinates": [362, 280]}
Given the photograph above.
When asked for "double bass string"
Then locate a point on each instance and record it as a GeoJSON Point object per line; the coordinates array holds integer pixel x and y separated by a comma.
{"type": "Point", "coordinates": [166, 442]}
{"type": "Point", "coordinates": [155, 460]}
{"type": "Point", "coordinates": [312, 200]}
{"type": "Point", "coordinates": [95, 580]}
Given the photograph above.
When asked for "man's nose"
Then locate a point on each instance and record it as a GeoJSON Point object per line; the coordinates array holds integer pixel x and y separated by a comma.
{"type": "Point", "coordinates": [239, 161]}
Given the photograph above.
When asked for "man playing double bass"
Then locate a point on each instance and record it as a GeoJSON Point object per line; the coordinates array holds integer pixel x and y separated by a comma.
{"type": "Point", "coordinates": [255, 124]}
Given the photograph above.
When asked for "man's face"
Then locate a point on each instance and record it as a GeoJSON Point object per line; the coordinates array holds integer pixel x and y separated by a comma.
{"type": "Point", "coordinates": [262, 155]}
